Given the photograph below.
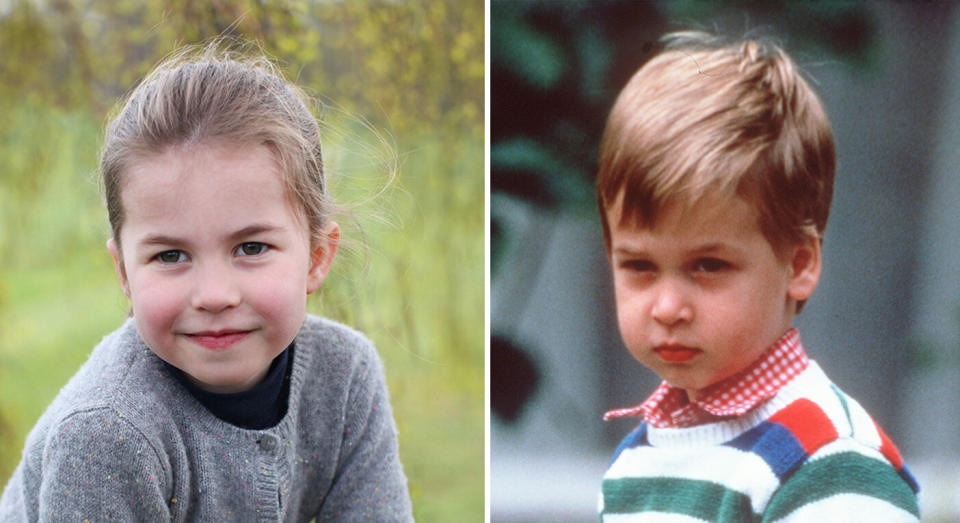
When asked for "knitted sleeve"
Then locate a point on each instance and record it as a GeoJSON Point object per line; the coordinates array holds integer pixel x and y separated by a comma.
{"type": "Point", "coordinates": [369, 484]}
{"type": "Point", "coordinates": [95, 466]}
{"type": "Point", "coordinates": [844, 481]}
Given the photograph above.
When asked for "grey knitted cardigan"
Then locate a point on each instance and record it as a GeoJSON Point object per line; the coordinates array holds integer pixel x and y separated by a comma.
{"type": "Point", "coordinates": [124, 441]}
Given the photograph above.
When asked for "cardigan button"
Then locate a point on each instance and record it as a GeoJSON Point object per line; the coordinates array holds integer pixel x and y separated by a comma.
{"type": "Point", "coordinates": [268, 442]}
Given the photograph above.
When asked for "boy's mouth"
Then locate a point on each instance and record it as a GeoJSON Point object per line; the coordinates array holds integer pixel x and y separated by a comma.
{"type": "Point", "coordinates": [676, 353]}
{"type": "Point", "coordinates": [218, 339]}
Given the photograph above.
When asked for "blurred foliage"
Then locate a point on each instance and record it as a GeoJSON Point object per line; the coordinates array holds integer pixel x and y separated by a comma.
{"type": "Point", "coordinates": [402, 91]}
{"type": "Point", "coordinates": [403, 64]}
{"type": "Point", "coordinates": [557, 66]}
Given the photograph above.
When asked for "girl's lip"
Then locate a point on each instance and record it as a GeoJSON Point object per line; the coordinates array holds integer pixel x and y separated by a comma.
{"type": "Point", "coordinates": [676, 353]}
{"type": "Point", "coordinates": [217, 339]}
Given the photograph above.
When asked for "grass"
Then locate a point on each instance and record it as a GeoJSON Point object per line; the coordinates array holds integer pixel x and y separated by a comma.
{"type": "Point", "coordinates": [416, 288]}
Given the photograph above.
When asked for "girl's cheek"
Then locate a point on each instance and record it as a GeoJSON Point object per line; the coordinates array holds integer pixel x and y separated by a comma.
{"type": "Point", "coordinates": [284, 296]}
{"type": "Point", "coordinates": [157, 302]}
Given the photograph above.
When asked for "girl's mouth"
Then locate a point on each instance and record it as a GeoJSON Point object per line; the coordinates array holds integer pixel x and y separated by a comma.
{"type": "Point", "coordinates": [218, 340]}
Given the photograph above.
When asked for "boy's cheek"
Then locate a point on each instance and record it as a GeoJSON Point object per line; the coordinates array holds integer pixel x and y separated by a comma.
{"type": "Point", "coordinates": [631, 326]}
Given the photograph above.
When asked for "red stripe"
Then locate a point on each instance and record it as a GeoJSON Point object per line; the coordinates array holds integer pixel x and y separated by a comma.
{"type": "Point", "coordinates": [808, 423]}
{"type": "Point", "coordinates": [888, 449]}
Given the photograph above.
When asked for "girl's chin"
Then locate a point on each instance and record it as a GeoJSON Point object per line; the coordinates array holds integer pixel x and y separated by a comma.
{"type": "Point", "coordinates": [225, 386]}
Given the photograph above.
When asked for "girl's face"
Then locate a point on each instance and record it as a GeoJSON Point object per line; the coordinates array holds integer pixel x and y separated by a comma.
{"type": "Point", "coordinates": [216, 262]}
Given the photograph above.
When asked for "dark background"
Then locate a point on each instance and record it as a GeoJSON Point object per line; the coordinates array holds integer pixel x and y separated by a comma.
{"type": "Point", "coordinates": [883, 322]}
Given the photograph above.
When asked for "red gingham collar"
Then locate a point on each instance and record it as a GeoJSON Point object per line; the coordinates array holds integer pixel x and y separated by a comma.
{"type": "Point", "coordinates": [668, 406]}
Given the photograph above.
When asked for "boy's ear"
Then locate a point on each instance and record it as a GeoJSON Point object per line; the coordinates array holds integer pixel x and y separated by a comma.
{"type": "Point", "coordinates": [805, 266]}
{"type": "Point", "coordinates": [118, 266]}
{"type": "Point", "coordinates": [321, 256]}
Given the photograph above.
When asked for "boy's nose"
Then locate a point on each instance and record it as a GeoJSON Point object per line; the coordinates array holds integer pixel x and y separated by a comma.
{"type": "Point", "coordinates": [214, 290]}
{"type": "Point", "coordinates": [671, 304]}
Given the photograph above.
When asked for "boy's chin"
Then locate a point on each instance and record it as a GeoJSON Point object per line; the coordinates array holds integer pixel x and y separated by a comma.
{"type": "Point", "coordinates": [693, 387]}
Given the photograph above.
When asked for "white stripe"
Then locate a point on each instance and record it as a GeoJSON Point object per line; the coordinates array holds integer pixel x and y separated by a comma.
{"type": "Point", "coordinates": [848, 445]}
{"type": "Point", "coordinates": [814, 385]}
{"type": "Point", "coordinates": [849, 507]}
{"type": "Point", "coordinates": [744, 472]}
{"type": "Point", "coordinates": [706, 434]}
{"type": "Point", "coordinates": [864, 429]}
{"type": "Point", "coordinates": [652, 517]}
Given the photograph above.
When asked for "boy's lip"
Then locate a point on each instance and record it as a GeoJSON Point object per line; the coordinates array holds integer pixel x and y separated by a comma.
{"type": "Point", "coordinates": [676, 353]}
{"type": "Point", "coordinates": [219, 339]}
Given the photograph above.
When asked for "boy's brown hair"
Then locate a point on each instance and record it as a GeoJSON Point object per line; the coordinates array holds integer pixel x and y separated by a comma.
{"type": "Point", "coordinates": [705, 117]}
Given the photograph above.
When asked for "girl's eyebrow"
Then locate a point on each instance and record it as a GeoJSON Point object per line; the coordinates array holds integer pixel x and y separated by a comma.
{"type": "Point", "coordinates": [254, 229]}
{"type": "Point", "coordinates": [250, 230]}
{"type": "Point", "coordinates": [159, 239]}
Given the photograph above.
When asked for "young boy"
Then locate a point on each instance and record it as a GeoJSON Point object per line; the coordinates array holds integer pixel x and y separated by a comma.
{"type": "Point", "coordinates": [714, 185]}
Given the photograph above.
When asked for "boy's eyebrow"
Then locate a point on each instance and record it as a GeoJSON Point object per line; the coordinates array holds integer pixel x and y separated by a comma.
{"type": "Point", "coordinates": [706, 248]}
{"type": "Point", "coordinates": [628, 251]}
{"type": "Point", "coordinates": [250, 230]}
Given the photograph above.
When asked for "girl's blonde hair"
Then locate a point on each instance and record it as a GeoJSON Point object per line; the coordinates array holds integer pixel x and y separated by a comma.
{"type": "Point", "coordinates": [204, 94]}
{"type": "Point", "coordinates": [710, 118]}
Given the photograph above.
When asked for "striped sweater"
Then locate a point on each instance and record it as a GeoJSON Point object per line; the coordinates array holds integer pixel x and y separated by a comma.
{"type": "Point", "coordinates": [809, 452]}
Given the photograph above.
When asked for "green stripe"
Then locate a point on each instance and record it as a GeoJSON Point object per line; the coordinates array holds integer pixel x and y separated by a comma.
{"type": "Point", "coordinates": [841, 473]}
{"type": "Point", "coordinates": [700, 499]}
{"type": "Point", "coordinates": [843, 402]}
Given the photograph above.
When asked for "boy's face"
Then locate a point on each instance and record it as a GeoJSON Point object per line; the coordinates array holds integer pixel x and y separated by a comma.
{"type": "Point", "coordinates": [215, 262]}
{"type": "Point", "coordinates": [702, 294]}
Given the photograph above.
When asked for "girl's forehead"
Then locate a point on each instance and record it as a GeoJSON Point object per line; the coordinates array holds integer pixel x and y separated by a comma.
{"type": "Point", "coordinates": [213, 181]}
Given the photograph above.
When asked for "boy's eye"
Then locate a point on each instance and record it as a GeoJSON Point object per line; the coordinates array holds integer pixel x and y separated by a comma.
{"type": "Point", "coordinates": [173, 256]}
{"type": "Point", "coordinates": [251, 248]}
{"type": "Point", "coordinates": [638, 265]}
{"type": "Point", "coordinates": [710, 265]}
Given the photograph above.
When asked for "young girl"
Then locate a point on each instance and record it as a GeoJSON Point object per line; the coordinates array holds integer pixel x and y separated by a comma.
{"type": "Point", "coordinates": [220, 399]}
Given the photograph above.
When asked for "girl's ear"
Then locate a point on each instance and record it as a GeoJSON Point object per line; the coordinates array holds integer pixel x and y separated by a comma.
{"type": "Point", "coordinates": [805, 268]}
{"type": "Point", "coordinates": [321, 256]}
{"type": "Point", "coordinates": [118, 266]}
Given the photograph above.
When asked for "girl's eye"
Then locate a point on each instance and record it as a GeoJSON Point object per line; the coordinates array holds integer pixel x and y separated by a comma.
{"type": "Point", "coordinates": [710, 265]}
{"type": "Point", "coordinates": [174, 256]}
{"type": "Point", "coordinates": [251, 248]}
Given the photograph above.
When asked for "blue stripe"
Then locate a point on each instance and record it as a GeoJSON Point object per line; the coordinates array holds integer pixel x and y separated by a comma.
{"type": "Point", "coordinates": [635, 439]}
{"type": "Point", "coordinates": [775, 444]}
{"type": "Point", "coordinates": [910, 479]}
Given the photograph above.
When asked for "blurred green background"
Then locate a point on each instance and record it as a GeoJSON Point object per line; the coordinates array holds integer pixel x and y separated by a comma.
{"type": "Point", "coordinates": [402, 85]}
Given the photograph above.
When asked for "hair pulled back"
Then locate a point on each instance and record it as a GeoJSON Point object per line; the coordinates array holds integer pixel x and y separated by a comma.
{"type": "Point", "coordinates": [209, 94]}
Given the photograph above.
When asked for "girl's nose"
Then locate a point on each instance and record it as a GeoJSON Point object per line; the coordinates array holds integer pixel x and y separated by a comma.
{"type": "Point", "coordinates": [671, 304]}
{"type": "Point", "coordinates": [215, 290]}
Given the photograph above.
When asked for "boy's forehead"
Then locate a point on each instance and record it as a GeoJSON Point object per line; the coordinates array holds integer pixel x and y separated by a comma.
{"type": "Point", "coordinates": [706, 208]}
{"type": "Point", "coordinates": [710, 225]}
